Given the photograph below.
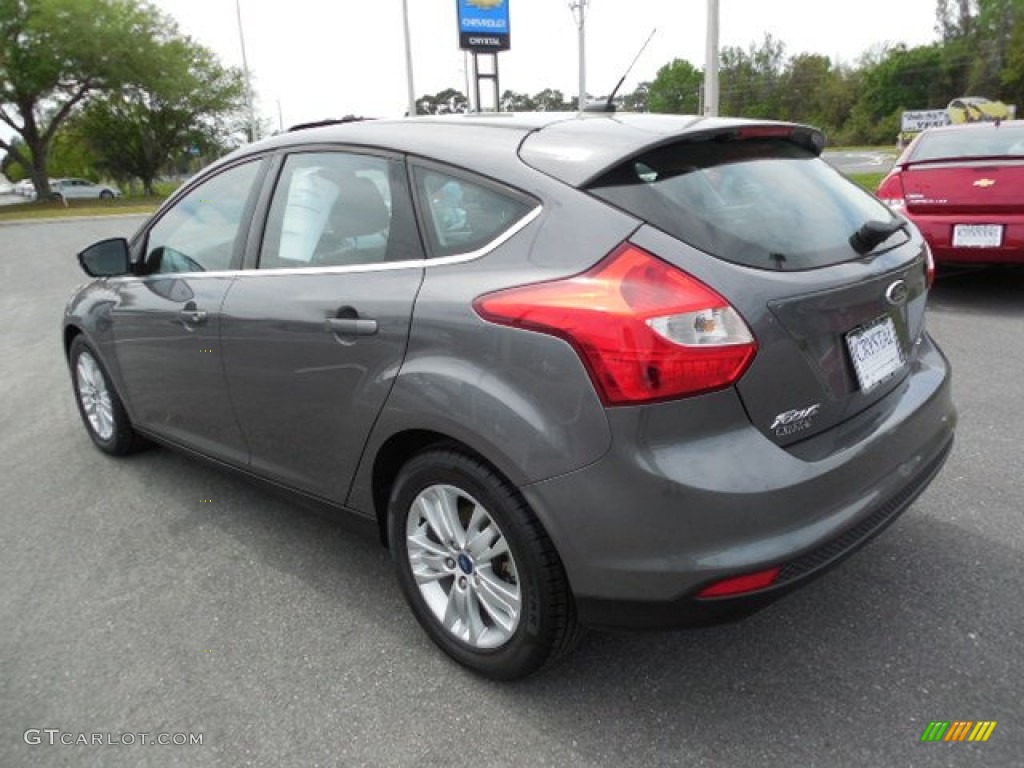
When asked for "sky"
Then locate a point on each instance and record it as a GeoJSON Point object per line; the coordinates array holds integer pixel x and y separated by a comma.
{"type": "Point", "coordinates": [316, 59]}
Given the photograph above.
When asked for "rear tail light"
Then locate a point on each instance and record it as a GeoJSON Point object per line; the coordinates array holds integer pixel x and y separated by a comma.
{"type": "Point", "coordinates": [738, 585]}
{"type": "Point", "coordinates": [890, 192]}
{"type": "Point", "coordinates": [645, 330]}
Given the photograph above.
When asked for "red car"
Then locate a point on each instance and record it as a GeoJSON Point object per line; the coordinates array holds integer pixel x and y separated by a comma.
{"type": "Point", "coordinates": [963, 186]}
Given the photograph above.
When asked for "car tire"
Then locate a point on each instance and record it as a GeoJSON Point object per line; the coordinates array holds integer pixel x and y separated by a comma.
{"type": "Point", "coordinates": [102, 411]}
{"type": "Point", "coordinates": [478, 570]}
{"type": "Point", "coordinates": [106, 194]}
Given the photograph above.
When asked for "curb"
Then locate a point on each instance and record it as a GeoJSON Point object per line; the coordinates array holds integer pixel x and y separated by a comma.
{"type": "Point", "coordinates": [72, 219]}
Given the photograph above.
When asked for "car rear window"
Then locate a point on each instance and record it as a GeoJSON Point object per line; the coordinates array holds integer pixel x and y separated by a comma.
{"type": "Point", "coordinates": [764, 203]}
{"type": "Point", "coordinates": [972, 142]}
{"type": "Point", "coordinates": [464, 216]}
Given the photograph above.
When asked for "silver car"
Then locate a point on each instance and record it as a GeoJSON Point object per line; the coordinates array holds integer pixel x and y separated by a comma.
{"type": "Point", "coordinates": [82, 189]}
{"type": "Point", "coordinates": [601, 371]}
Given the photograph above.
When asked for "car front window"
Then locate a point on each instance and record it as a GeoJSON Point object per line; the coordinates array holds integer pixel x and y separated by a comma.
{"type": "Point", "coordinates": [200, 232]}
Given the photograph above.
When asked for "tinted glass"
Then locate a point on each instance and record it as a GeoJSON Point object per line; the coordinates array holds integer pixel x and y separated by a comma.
{"type": "Point", "coordinates": [981, 142]}
{"type": "Point", "coordinates": [199, 233]}
{"type": "Point", "coordinates": [464, 216]}
{"type": "Point", "coordinates": [761, 203]}
{"type": "Point", "coordinates": [331, 209]}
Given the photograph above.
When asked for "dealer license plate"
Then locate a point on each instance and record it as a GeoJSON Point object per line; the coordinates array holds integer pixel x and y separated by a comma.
{"type": "Point", "coordinates": [876, 352]}
{"type": "Point", "coordinates": [978, 235]}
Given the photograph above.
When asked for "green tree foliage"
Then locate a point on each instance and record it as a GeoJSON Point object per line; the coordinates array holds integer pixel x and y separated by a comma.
{"type": "Point", "coordinates": [552, 100]}
{"type": "Point", "coordinates": [446, 102]}
{"type": "Point", "coordinates": [54, 55]}
{"type": "Point", "coordinates": [513, 101]}
{"type": "Point", "coordinates": [1013, 72]}
{"type": "Point", "coordinates": [751, 80]}
{"type": "Point", "coordinates": [184, 101]}
{"type": "Point", "coordinates": [676, 89]}
{"type": "Point", "coordinates": [639, 100]}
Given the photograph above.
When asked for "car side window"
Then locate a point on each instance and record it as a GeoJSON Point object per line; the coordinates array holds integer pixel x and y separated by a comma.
{"type": "Point", "coordinates": [463, 216]}
{"type": "Point", "coordinates": [336, 209]}
{"type": "Point", "coordinates": [199, 233]}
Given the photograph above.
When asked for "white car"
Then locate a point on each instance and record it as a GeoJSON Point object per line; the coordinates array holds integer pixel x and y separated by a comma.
{"type": "Point", "coordinates": [25, 188]}
{"type": "Point", "coordinates": [72, 189]}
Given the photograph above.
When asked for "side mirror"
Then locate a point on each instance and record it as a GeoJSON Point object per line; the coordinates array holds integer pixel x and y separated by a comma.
{"type": "Point", "coordinates": [107, 258]}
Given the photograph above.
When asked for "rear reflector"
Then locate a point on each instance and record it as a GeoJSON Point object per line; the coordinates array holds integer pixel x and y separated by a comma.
{"type": "Point", "coordinates": [738, 585]}
{"type": "Point", "coordinates": [929, 264]}
{"type": "Point", "coordinates": [645, 330]}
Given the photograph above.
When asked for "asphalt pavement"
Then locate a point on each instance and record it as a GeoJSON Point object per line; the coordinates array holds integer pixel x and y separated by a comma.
{"type": "Point", "coordinates": [156, 595]}
{"type": "Point", "coordinates": [861, 161]}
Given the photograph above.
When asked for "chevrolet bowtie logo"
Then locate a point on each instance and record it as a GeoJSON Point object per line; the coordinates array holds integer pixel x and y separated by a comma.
{"type": "Point", "coordinates": [985, 183]}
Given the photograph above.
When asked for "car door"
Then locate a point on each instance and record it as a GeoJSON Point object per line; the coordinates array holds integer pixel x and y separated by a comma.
{"type": "Point", "coordinates": [167, 320]}
{"type": "Point", "coordinates": [314, 334]}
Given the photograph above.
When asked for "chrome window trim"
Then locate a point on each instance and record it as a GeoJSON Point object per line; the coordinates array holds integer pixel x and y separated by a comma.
{"type": "Point", "coordinates": [442, 261]}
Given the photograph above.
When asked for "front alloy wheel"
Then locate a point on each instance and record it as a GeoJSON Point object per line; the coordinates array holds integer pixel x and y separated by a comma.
{"type": "Point", "coordinates": [105, 417]}
{"type": "Point", "coordinates": [477, 568]}
{"type": "Point", "coordinates": [94, 396]}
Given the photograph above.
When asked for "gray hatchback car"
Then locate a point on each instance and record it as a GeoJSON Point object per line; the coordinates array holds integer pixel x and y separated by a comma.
{"type": "Point", "coordinates": [612, 370]}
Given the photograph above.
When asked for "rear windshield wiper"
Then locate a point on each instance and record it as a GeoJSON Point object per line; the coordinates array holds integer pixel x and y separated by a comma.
{"type": "Point", "coordinates": [874, 232]}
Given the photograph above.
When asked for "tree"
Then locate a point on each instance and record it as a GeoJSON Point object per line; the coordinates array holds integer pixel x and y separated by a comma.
{"type": "Point", "coordinates": [750, 80]}
{"type": "Point", "coordinates": [676, 89]}
{"type": "Point", "coordinates": [953, 18]}
{"type": "Point", "coordinates": [1013, 73]}
{"type": "Point", "coordinates": [552, 100]}
{"type": "Point", "coordinates": [639, 99]}
{"type": "Point", "coordinates": [184, 101]}
{"type": "Point", "coordinates": [512, 101]}
{"type": "Point", "coordinates": [446, 102]}
{"type": "Point", "coordinates": [55, 54]}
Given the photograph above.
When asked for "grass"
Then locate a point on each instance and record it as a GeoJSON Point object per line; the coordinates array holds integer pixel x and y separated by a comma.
{"type": "Point", "coordinates": [889, 149]}
{"type": "Point", "coordinates": [869, 181]}
{"type": "Point", "coordinates": [78, 208]}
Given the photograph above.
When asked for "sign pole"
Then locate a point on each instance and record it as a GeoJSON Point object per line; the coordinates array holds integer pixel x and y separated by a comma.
{"type": "Point", "coordinates": [483, 31]}
{"type": "Point", "coordinates": [579, 10]}
{"type": "Point", "coordinates": [408, 61]}
{"type": "Point", "coordinates": [711, 62]}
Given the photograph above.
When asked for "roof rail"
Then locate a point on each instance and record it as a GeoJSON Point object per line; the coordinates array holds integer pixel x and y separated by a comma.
{"type": "Point", "coordinates": [329, 121]}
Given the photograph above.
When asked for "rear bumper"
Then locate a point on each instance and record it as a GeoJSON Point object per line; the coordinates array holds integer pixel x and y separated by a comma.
{"type": "Point", "coordinates": [938, 231]}
{"type": "Point", "coordinates": [656, 520]}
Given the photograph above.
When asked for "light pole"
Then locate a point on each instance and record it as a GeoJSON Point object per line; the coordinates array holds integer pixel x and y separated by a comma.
{"type": "Point", "coordinates": [579, 12]}
{"type": "Point", "coordinates": [245, 71]}
{"type": "Point", "coordinates": [411, 108]}
{"type": "Point", "coordinates": [711, 62]}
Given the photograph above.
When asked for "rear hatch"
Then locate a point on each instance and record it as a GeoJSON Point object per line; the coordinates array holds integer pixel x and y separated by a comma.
{"type": "Point", "coordinates": [835, 307]}
{"type": "Point", "coordinates": [966, 186]}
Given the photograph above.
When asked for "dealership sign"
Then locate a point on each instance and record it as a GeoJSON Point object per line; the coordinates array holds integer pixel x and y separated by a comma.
{"type": "Point", "coordinates": [919, 119]}
{"type": "Point", "coordinates": [483, 25]}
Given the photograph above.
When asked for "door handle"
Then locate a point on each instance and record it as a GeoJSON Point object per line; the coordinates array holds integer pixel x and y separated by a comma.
{"type": "Point", "coordinates": [352, 326]}
{"type": "Point", "coordinates": [192, 315]}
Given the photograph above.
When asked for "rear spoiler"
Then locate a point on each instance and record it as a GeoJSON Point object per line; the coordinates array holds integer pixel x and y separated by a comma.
{"type": "Point", "coordinates": [803, 136]}
{"type": "Point", "coordinates": [961, 159]}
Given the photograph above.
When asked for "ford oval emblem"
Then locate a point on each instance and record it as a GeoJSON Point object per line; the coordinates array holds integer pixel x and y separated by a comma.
{"type": "Point", "coordinates": [897, 293]}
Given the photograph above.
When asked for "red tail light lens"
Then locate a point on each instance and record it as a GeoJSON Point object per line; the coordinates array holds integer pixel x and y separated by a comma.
{"type": "Point", "coordinates": [645, 330]}
{"type": "Point", "coordinates": [890, 192]}
{"type": "Point", "coordinates": [738, 585]}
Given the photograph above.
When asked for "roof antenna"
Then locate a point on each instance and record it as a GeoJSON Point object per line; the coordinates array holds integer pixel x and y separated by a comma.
{"type": "Point", "coordinates": [609, 105]}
